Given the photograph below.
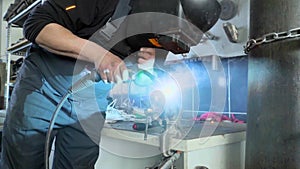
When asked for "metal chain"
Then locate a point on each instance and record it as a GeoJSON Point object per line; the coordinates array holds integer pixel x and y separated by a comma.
{"type": "Point", "coordinates": [271, 37]}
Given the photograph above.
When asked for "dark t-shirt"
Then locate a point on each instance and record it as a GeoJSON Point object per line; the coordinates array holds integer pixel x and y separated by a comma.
{"type": "Point", "coordinates": [82, 18]}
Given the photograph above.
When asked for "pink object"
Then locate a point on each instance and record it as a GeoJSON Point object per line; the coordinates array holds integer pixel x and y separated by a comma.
{"type": "Point", "coordinates": [212, 116]}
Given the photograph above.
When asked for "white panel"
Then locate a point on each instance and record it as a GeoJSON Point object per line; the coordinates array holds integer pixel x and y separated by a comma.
{"type": "Point", "coordinates": [223, 47]}
{"type": "Point", "coordinates": [126, 155]}
{"type": "Point", "coordinates": [220, 157]}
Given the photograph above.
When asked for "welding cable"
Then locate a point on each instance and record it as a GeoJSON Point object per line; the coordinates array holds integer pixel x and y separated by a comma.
{"type": "Point", "coordinates": [50, 129]}
{"type": "Point", "coordinates": [86, 81]}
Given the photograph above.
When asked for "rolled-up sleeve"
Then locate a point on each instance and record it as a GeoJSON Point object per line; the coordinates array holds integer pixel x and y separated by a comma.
{"type": "Point", "coordinates": [40, 16]}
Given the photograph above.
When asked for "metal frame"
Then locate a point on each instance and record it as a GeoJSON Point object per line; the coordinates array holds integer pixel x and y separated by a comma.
{"type": "Point", "coordinates": [9, 53]}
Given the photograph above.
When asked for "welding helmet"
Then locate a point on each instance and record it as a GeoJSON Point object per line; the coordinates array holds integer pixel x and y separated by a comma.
{"type": "Point", "coordinates": [172, 25]}
{"type": "Point", "coordinates": [178, 33]}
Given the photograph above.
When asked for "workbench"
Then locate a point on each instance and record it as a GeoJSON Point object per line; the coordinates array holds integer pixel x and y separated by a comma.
{"type": "Point", "coordinates": [221, 147]}
{"type": "Point", "coordinates": [123, 147]}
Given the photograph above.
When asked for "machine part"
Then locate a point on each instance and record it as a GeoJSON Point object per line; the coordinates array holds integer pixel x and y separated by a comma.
{"type": "Point", "coordinates": [271, 37]}
{"type": "Point", "coordinates": [204, 14]}
{"type": "Point", "coordinates": [201, 167]}
{"type": "Point", "coordinates": [228, 10]}
{"type": "Point", "coordinates": [211, 36]}
{"type": "Point", "coordinates": [170, 162]}
{"type": "Point", "coordinates": [167, 162]}
{"type": "Point", "coordinates": [231, 32]}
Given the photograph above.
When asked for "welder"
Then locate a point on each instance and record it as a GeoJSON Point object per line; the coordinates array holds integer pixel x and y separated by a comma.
{"type": "Point", "coordinates": [61, 50]}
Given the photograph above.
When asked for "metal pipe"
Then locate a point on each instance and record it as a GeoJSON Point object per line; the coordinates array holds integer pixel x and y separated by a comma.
{"type": "Point", "coordinates": [8, 67]}
{"type": "Point", "coordinates": [273, 88]}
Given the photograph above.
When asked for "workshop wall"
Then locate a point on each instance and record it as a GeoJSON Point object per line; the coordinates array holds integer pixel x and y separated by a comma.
{"type": "Point", "coordinates": [236, 72]}
{"type": "Point", "coordinates": [239, 83]}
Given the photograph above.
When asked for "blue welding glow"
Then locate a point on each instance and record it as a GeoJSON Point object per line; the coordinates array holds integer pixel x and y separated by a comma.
{"type": "Point", "coordinates": [158, 91]}
{"type": "Point", "coordinates": [144, 78]}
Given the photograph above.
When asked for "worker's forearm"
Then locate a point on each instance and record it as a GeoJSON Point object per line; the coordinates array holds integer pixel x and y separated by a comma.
{"type": "Point", "coordinates": [59, 40]}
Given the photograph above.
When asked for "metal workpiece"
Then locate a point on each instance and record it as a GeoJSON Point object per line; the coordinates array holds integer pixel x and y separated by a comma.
{"type": "Point", "coordinates": [273, 88]}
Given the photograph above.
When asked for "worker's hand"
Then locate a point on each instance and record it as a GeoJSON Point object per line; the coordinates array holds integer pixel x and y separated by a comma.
{"type": "Point", "coordinates": [111, 68]}
{"type": "Point", "coordinates": [146, 58]}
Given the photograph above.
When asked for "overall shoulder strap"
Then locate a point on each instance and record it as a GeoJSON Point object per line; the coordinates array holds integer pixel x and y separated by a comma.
{"type": "Point", "coordinates": [123, 9]}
